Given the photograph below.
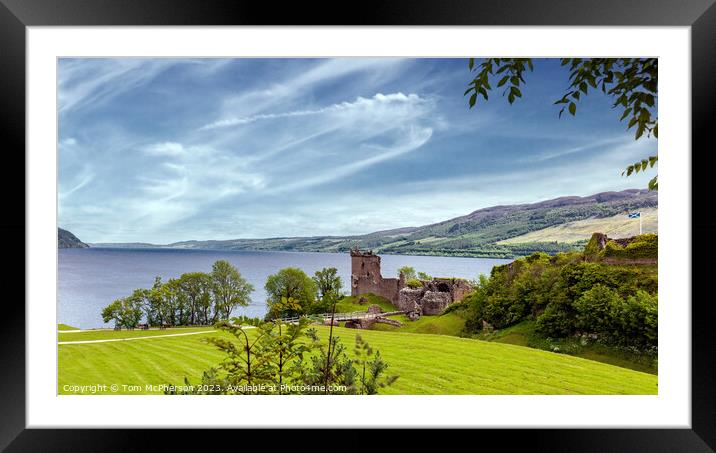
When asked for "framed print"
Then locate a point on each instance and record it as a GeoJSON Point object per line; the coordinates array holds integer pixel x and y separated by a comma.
{"type": "Point", "coordinates": [232, 221]}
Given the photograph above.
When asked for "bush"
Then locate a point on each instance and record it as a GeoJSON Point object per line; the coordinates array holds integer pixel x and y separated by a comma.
{"type": "Point", "coordinates": [556, 321]}
{"type": "Point", "coordinates": [414, 283]}
{"type": "Point", "coordinates": [565, 294]}
{"type": "Point", "coordinates": [636, 320]}
{"type": "Point", "coordinates": [595, 309]}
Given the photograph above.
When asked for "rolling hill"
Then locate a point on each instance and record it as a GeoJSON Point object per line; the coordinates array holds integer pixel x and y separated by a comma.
{"type": "Point", "coordinates": [482, 233]}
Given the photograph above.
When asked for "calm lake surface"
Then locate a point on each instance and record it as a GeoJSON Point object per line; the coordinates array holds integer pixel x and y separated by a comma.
{"type": "Point", "coordinates": [90, 279]}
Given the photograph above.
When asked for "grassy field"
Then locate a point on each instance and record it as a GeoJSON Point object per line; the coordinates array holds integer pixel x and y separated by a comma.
{"type": "Point", "coordinates": [107, 334]}
{"type": "Point", "coordinates": [522, 334]}
{"type": "Point", "coordinates": [65, 327]}
{"type": "Point", "coordinates": [447, 324]}
{"type": "Point", "coordinates": [617, 226]}
{"type": "Point", "coordinates": [425, 364]}
{"type": "Point", "coordinates": [350, 304]}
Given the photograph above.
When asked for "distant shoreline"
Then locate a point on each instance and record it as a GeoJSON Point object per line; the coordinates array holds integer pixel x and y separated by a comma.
{"type": "Point", "coordinates": [185, 249]}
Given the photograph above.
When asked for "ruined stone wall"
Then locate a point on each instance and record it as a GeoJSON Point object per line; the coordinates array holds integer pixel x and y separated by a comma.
{"type": "Point", "coordinates": [433, 297]}
{"type": "Point", "coordinates": [366, 277]}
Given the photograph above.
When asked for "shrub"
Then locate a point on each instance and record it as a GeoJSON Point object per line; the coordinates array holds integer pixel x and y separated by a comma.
{"type": "Point", "coordinates": [556, 321]}
{"type": "Point", "coordinates": [595, 309]}
{"type": "Point", "coordinates": [414, 283]}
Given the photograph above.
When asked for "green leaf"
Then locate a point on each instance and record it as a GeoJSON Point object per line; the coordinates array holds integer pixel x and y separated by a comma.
{"type": "Point", "coordinates": [639, 131]}
{"type": "Point", "coordinates": [511, 97]}
{"type": "Point", "coordinates": [654, 184]}
{"type": "Point", "coordinates": [471, 63]}
{"type": "Point", "coordinates": [483, 92]}
{"type": "Point", "coordinates": [503, 81]}
{"type": "Point", "coordinates": [653, 160]}
{"type": "Point", "coordinates": [572, 108]}
{"type": "Point", "coordinates": [514, 80]}
{"type": "Point", "coordinates": [516, 91]}
{"type": "Point", "coordinates": [625, 114]}
{"type": "Point", "coordinates": [575, 95]}
{"type": "Point", "coordinates": [632, 122]}
{"type": "Point", "coordinates": [529, 63]}
{"type": "Point", "coordinates": [473, 99]}
{"type": "Point", "coordinates": [583, 87]}
{"type": "Point", "coordinates": [655, 131]}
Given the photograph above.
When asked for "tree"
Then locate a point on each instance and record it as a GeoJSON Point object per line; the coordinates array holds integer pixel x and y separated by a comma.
{"type": "Point", "coordinates": [290, 292]}
{"type": "Point", "coordinates": [196, 287]}
{"type": "Point", "coordinates": [371, 368]}
{"type": "Point", "coordinates": [229, 289]}
{"type": "Point", "coordinates": [126, 312]}
{"type": "Point", "coordinates": [329, 285]}
{"type": "Point", "coordinates": [424, 276]}
{"type": "Point", "coordinates": [408, 272]}
{"type": "Point", "coordinates": [113, 312]}
{"type": "Point", "coordinates": [631, 82]}
{"type": "Point", "coordinates": [157, 308]}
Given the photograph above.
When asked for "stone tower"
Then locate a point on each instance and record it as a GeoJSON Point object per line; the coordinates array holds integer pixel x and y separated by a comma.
{"type": "Point", "coordinates": [366, 277]}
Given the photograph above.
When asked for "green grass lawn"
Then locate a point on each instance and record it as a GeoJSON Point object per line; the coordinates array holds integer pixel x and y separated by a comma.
{"type": "Point", "coordinates": [106, 334]}
{"type": "Point", "coordinates": [66, 327]}
{"type": "Point", "coordinates": [523, 334]}
{"type": "Point", "coordinates": [350, 304]}
{"type": "Point", "coordinates": [425, 364]}
{"type": "Point", "coordinates": [447, 324]}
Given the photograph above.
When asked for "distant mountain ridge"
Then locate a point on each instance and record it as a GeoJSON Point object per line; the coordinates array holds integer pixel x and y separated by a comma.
{"type": "Point", "coordinates": [475, 234]}
{"type": "Point", "coordinates": [67, 240]}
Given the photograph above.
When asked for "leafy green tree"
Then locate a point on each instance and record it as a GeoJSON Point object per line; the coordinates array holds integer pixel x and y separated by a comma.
{"type": "Point", "coordinates": [113, 312]}
{"type": "Point", "coordinates": [126, 312]}
{"type": "Point", "coordinates": [196, 287]}
{"type": "Point", "coordinates": [329, 286]}
{"type": "Point", "coordinates": [632, 83]}
{"type": "Point", "coordinates": [290, 292]}
{"type": "Point", "coordinates": [229, 289]}
{"type": "Point", "coordinates": [157, 308]}
{"type": "Point", "coordinates": [408, 273]}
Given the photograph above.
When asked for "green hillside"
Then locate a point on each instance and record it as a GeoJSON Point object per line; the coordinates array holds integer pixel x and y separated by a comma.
{"type": "Point", "coordinates": [618, 226]}
{"type": "Point", "coordinates": [481, 233]}
{"type": "Point", "coordinates": [426, 364]}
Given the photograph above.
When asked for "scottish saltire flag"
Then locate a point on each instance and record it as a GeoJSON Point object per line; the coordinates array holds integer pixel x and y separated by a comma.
{"type": "Point", "coordinates": [634, 215]}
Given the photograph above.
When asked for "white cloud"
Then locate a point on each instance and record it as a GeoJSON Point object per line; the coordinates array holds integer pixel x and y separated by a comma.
{"type": "Point", "coordinates": [360, 103]}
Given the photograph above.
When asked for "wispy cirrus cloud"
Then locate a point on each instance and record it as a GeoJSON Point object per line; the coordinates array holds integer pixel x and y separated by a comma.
{"type": "Point", "coordinates": [163, 150]}
{"type": "Point", "coordinates": [376, 101]}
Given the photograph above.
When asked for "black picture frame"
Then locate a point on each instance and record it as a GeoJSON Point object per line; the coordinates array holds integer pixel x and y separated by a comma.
{"type": "Point", "coordinates": [16, 15]}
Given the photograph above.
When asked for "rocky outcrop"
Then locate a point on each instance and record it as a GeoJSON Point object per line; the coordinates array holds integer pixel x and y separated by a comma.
{"type": "Point", "coordinates": [67, 240]}
{"type": "Point", "coordinates": [375, 309]}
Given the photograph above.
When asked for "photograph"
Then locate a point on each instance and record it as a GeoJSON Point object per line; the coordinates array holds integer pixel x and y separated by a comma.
{"type": "Point", "coordinates": [357, 225]}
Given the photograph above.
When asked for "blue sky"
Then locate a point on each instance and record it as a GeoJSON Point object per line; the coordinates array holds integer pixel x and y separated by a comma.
{"type": "Point", "coordinates": [163, 150]}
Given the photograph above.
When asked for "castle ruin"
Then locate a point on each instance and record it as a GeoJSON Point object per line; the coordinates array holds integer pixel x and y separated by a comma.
{"type": "Point", "coordinates": [430, 299]}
